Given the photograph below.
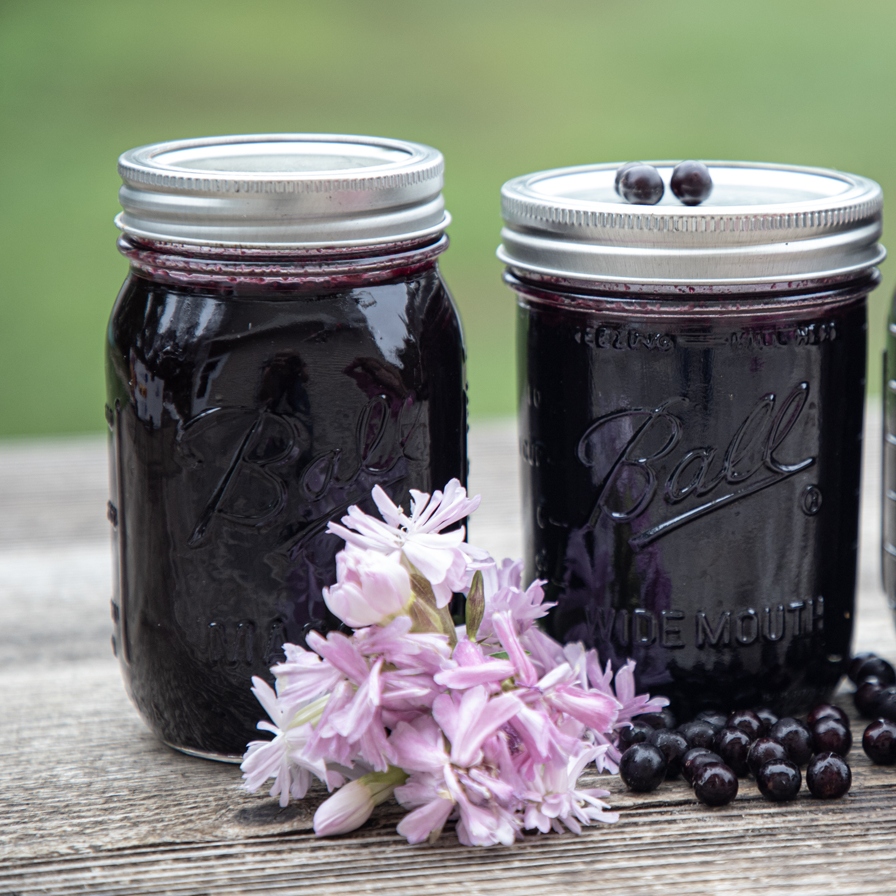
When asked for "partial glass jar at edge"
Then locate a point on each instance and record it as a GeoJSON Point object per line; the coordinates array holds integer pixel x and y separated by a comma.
{"type": "Point", "coordinates": [888, 448]}
{"type": "Point", "coordinates": [247, 408]}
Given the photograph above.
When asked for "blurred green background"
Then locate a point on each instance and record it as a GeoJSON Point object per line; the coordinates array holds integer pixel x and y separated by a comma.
{"type": "Point", "coordinates": [502, 88]}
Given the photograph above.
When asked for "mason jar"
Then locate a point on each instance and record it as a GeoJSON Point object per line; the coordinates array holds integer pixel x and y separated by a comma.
{"type": "Point", "coordinates": [888, 499]}
{"type": "Point", "coordinates": [691, 394]}
{"type": "Point", "coordinates": [283, 342]}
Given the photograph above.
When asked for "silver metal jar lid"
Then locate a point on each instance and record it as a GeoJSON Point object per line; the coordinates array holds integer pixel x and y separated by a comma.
{"type": "Point", "coordinates": [762, 224]}
{"type": "Point", "coordinates": [282, 191]}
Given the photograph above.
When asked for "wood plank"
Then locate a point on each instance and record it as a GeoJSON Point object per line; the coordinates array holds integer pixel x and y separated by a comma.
{"type": "Point", "coordinates": [53, 491]}
{"type": "Point", "coordinates": [90, 802]}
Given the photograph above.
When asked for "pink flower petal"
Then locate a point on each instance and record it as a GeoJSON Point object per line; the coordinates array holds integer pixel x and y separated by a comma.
{"type": "Point", "coordinates": [464, 677]}
{"type": "Point", "coordinates": [352, 720]}
{"type": "Point", "coordinates": [419, 746]}
{"type": "Point", "coordinates": [388, 509]}
{"type": "Point", "coordinates": [427, 821]}
{"type": "Point", "coordinates": [469, 722]}
{"type": "Point", "coordinates": [504, 629]}
{"type": "Point", "coordinates": [341, 652]}
{"type": "Point", "coordinates": [590, 707]}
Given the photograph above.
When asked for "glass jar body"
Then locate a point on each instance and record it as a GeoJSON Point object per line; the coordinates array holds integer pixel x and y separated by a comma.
{"type": "Point", "coordinates": [888, 499]}
{"type": "Point", "coordinates": [691, 483]}
{"type": "Point", "coordinates": [244, 414]}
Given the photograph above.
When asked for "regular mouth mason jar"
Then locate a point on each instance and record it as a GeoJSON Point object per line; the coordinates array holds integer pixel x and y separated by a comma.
{"type": "Point", "coordinates": [691, 384]}
{"type": "Point", "coordinates": [283, 342]}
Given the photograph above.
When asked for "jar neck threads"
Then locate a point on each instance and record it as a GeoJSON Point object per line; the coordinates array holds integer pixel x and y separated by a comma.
{"type": "Point", "coordinates": [776, 299]}
{"type": "Point", "coordinates": [232, 266]}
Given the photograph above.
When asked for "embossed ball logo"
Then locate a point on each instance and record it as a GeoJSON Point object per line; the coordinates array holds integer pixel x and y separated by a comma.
{"type": "Point", "coordinates": [626, 446]}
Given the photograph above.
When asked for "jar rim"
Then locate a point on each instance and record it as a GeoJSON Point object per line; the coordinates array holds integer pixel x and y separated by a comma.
{"type": "Point", "coordinates": [763, 223]}
{"type": "Point", "coordinates": [283, 191]}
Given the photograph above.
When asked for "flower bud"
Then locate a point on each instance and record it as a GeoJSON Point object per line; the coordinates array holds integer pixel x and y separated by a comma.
{"type": "Point", "coordinates": [352, 804]}
{"type": "Point", "coordinates": [344, 811]}
{"type": "Point", "coordinates": [370, 587]}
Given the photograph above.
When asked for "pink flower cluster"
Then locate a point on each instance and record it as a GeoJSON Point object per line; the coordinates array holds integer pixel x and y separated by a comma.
{"type": "Point", "coordinates": [490, 723]}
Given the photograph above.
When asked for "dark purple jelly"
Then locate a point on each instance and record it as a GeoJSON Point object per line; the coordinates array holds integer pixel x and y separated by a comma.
{"type": "Point", "coordinates": [692, 384]}
{"type": "Point", "coordinates": [691, 483]}
{"type": "Point", "coordinates": [244, 413]}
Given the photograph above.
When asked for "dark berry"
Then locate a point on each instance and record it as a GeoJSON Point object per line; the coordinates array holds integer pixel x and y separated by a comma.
{"type": "Point", "coordinates": [635, 733]}
{"type": "Point", "coordinates": [669, 718]}
{"type": "Point", "coordinates": [767, 717]}
{"type": "Point", "coordinates": [866, 697]}
{"type": "Point", "coordinates": [673, 747]}
{"type": "Point", "coordinates": [691, 182]}
{"type": "Point", "coordinates": [696, 759]}
{"type": "Point", "coordinates": [826, 711]}
{"type": "Point", "coordinates": [656, 720]}
{"type": "Point", "coordinates": [694, 752]}
{"type": "Point", "coordinates": [856, 663]}
{"type": "Point", "coordinates": [762, 751]}
{"type": "Point", "coordinates": [779, 780]}
{"type": "Point", "coordinates": [886, 703]}
{"type": "Point", "coordinates": [620, 171]}
{"type": "Point", "coordinates": [828, 776]}
{"type": "Point", "coordinates": [874, 666]}
{"type": "Point", "coordinates": [715, 717]}
{"type": "Point", "coordinates": [715, 785]}
{"type": "Point", "coordinates": [698, 734]}
{"type": "Point", "coordinates": [879, 742]}
{"type": "Point", "coordinates": [748, 722]}
{"type": "Point", "coordinates": [795, 737]}
{"type": "Point", "coordinates": [642, 767]}
{"type": "Point", "coordinates": [831, 736]}
{"type": "Point", "coordinates": [641, 184]}
{"type": "Point", "coordinates": [733, 745]}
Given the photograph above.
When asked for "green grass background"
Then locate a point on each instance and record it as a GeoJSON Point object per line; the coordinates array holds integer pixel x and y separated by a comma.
{"type": "Point", "coordinates": [502, 88]}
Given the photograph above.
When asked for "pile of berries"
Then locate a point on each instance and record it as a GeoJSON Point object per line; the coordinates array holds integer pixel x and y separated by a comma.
{"type": "Point", "coordinates": [640, 183]}
{"type": "Point", "coordinates": [875, 698]}
{"type": "Point", "coordinates": [715, 749]}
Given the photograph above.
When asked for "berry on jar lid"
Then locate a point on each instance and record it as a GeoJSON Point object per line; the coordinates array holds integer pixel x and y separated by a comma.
{"type": "Point", "coordinates": [621, 170]}
{"type": "Point", "coordinates": [640, 184]}
{"type": "Point", "coordinates": [691, 182]}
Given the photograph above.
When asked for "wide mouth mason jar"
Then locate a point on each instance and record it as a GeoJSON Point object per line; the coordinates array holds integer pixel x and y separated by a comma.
{"type": "Point", "coordinates": [284, 341]}
{"type": "Point", "coordinates": [691, 395]}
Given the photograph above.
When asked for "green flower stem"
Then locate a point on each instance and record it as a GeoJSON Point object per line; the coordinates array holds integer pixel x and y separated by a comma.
{"type": "Point", "coordinates": [382, 784]}
{"type": "Point", "coordinates": [426, 615]}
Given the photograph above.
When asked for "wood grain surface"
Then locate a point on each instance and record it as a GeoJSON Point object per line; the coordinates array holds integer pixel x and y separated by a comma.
{"type": "Point", "coordinates": [90, 802]}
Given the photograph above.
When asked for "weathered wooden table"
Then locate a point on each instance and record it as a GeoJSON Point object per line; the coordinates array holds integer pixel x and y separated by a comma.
{"type": "Point", "coordinates": [91, 803]}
